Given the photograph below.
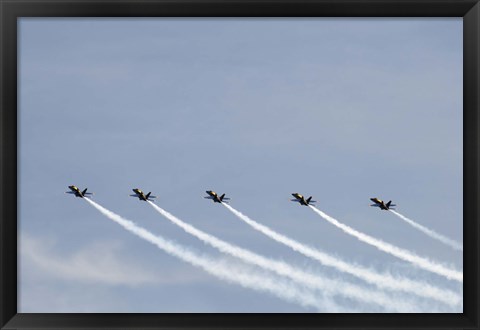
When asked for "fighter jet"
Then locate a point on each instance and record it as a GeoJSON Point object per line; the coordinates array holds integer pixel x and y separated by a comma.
{"type": "Point", "coordinates": [141, 196]}
{"type": "Point", "coordinates": [301, 199]}
{"type": "Point", "coordinates": [381, 204]}
{"type": "Point", "coordinates": [216, 199]}
{"type": "Point", "coordinates": [77, 192]}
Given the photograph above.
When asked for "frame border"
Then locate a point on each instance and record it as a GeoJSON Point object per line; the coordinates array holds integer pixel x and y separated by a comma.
{"type": "Point", "coordinates": [11, 10]}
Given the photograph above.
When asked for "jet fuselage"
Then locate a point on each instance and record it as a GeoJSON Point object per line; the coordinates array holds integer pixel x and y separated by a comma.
{"type": "Point", "coordinates": [77, 192]}
{"type": "Point", "coordinates": [301, 199]}
{"type": "Point", "coordinates": [214, 196]}
{"type": "Point", "coordinates": [381, 204]}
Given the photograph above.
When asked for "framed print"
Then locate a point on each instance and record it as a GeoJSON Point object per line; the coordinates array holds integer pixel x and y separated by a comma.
{"type": "Point", "coordinates": [271, 164]}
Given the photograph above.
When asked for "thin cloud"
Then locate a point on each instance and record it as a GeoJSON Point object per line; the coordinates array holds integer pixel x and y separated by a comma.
{"type": "Point", "coordinates": [99, 262]}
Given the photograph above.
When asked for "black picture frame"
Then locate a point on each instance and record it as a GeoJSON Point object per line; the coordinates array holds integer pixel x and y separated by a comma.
{"type": "Point", "coordinates": [11, 10]}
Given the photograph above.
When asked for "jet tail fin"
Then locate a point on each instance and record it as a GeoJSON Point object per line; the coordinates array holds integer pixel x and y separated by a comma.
{"type": "Point", "coordinates": [84, 191]}
{"type": "Point", "coordinates": [221, 197]}
{"type": "Point", "coordinates": [388, 204]}
{"type": "Point", "coordinates": [309, 199]}
{"type": "Point", "coordinates": [148, 195]}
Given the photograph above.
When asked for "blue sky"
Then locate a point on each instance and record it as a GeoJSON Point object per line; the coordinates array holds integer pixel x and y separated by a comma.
{"type": "Point", "coordinates": [341, 109]}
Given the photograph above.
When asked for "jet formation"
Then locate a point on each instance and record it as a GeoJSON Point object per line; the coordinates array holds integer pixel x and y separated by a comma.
{"type": "Point", "coordinates": [222, 199]}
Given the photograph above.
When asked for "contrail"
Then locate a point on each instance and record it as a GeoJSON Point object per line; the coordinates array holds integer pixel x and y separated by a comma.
{"type": "Point", "coordinates": [284, 269]}
{"type": "Point", "coordinates": [395, 251]}
{"type": "Point", "coordinates": [385, 281]}
{"type": "Point", "coordinates": [224, 272]}
{"type": "Point", "coordinates": [445, 240]}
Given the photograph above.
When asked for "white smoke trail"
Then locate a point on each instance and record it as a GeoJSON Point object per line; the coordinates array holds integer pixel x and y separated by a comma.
{"type": "Point", "coordinates": [245, 279]}
{"type": "Point", "coordinates": [385, 281]}
{"type": "Point", "coordinates": [393, 250]}
{"type": "Point", "coordinates": [284, 269]}
{"type": "Point", "coordinates": [445, 240]}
